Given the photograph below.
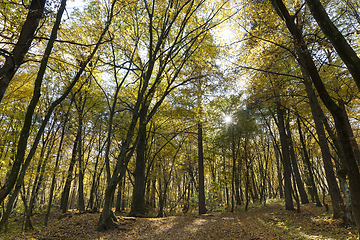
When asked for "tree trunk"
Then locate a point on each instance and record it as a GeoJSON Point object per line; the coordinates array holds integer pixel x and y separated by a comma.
{"type": "Point", "coordinates": [52, 187]}
{"type": "Point", "coordinates": [225, 180]}
{"type": "Point", "coordinates": [66, 192]}
{"type": "Point", "coordinates": [81, 202]}
{"type": "Point", "coordinates": [281, 193]}
{"type": "Point", "coordinates": [254, 187]}
{"type": "Point", "coordinates": [317, 113]}
{"type": "Point", "coordinates": [247, 183]}
{"type": "Point", "coordinates": [94, 178]}
{"type": "Point", "coordinates": [34, 193]}
{"type": "Point", "coordinates": [235, 171]}
{"type": "Point", "coordinates": [161, 199]}
{"type": "Point", "coordinates": [341, 121]}
{"type": "Point", "coordinates": [119, 197]}
{"type": "Point", "coordinates": [16, 57]}
{"type": "Point", "coordinates": [310, 174]}
{"type": "Point", "coordinates": [289, 205]}
{"type": "Point", "coordinates": [107, 218]}
{"type": "Point", "coordinates": [39, 176]}
{"type": "Point", "coordinates": [25, 131]}
{"type": "Point", "coordinates": [202, 208]}
{"type": "Point", "coordinates": [138, 198]}
{"type": "Point", "coordinates": [351, 133]}
{"type": "Point", "coordinates": [153, 192]}
{"type": "Point", "coordinates": [263, 174]}
{"type": "Point", "coordinates": [342, 47]}
{"type": "Point", "coordinates": [299, 182]}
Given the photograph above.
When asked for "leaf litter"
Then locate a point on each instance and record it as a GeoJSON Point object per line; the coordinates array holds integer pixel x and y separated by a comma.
{"type": "Point", "coordinates": [264, 222]}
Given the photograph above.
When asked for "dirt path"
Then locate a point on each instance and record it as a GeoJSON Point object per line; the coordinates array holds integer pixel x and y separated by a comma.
{"type": "Point", "coordinates": [243, 225]}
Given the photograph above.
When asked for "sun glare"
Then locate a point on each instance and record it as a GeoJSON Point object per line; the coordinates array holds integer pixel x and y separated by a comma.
{"type": "Point", "coordinates": [228, 119]}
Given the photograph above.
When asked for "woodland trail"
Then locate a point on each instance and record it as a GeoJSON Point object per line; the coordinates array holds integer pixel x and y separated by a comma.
{"type": "Point", "coordinates": [270, 222]}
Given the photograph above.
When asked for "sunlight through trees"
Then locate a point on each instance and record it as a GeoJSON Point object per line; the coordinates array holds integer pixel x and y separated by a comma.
{"type": "Point", "coordinates": [161, 108]}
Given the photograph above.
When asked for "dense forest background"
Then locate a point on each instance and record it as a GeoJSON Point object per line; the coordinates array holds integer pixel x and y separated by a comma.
{"type": "Point", "coordinates": [175, 106]}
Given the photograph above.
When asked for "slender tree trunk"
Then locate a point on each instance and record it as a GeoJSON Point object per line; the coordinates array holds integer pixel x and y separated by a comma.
{"type": "Point", "coordinates": [94, 178]}
{"type": "Point", "coordinates": [225, 180]}
{"type": "Point", "coordinates": [34, 193]}
{"type": "Point", "coordinates": [281, 193]}
{"type": "Point", "coordinates": [306, 159]}
{"type": "Point", "coordinates": [161, 199]}
{"type": "Point", "coordinates": [81, 202]}
{"type": "Point", "coordinates": [232, 191]}
{"type": "Point", "coordinates": [295, 194]}
{"type": "Point", "coordinates": [254, 187]}
{"type": "Point", "coordinates": [202, 208]}
{"type": "Point", "coordinates": [285, 158]}
{"type": "Point", "coordinates": [247, 181]}
{"type": "Point", "coordinates": [119, 197]}
{"type": "Point", "coordinates": [152, 193]}
{"type": "Point", "coordinates": [66, 192]}
{"type": "Point", "coordinates": [299, 182]}
{"type": "Point", "coordinates": [235, 172]}
{"type": "Point", "coordinates": [123, 202]}
{"type": "Point", "coordinates": [52, 187]}
{"type": "Point", "coordinates": [39, 177]}
{"type": "Point", "coordinates": [263, 174]}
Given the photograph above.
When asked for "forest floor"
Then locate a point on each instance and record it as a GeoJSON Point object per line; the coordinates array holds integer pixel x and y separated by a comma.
{"type": "Point", "coordinates": [259, 222]}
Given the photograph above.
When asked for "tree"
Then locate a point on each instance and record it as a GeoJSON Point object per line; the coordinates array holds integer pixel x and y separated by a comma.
{"type": "Point", "coordinates": [285, 158]}
{"type": "Point", "coordinates": [18, 163]}
{"type": "Point", "coordinates": [343, 48]}
{"type": "Point", "coordinates": [15, 58]}
{"type": "Point", "coordinates": [340, 117]}
{"type": "Point", "coordinates": [22, 142]}
{"type": "Point", "coordinates": [173, 39]}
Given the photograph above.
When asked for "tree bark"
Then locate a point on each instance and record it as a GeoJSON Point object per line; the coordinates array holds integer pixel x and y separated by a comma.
{"type": "Point", "coordinates": [342, 47]}
{"type": "Point", "coordinates": [119, 197]}
{"type": "Point", "coordinates": [254, 187]}
{"type": "Point", "coordinates": [279, 172]}
{"type": "Point", "coordinates": [289, 205]}
{"type": "Point", "coordinates": [52, 187]}
{"type": "Point", "coordinates": [235, 171]}
{"type": "Point", "coordinates": [138, 207]}
{"type": "Point", "coordinates": [317, 113]}
{"type": "Point", "coordinates": [299, 182]}
{"type": "Point", "coordinates": [202, 208]}
{"type": "Point", "coordinates": [49, 143]}
{"type": "Point", "coordinates": [351, 133]}
{"type": "Point", "coordinates": [81, 202]}
{"type": "Point", "coordinates": [95, 179]}
{"type": "Point", "coordinates": [341, 121]}
{"type": "Point", "coordinates": [247, 176]}
{"type": "Point", "coordinates": [34, 192]}
{"type": "Point", "coordinates": [16, 57]}
{"type": "Point", "coordinates": [310, 173]}
{"type": "Point", "coordinates": [66, 192]}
